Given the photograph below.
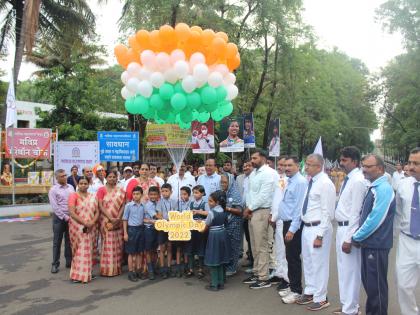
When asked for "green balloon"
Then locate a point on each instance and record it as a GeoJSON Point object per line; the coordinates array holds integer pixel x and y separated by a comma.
{"type": "Point", "coordinates": [162, 114]}
{"type": "Point", "coordinates": [171, 118]}
{"type": "Point", "coordinates": [210, 107]}
{"type": "Point", "coordinates": [221, 93]}
{"type": "Point", "coordinates": [217, 115]}
{"type": "Point", "coordinates": [150, 114]}
{"type": "Point", "coordinates": [203, 117]}
{"type": "Point", "coordinates": [178, 101]}
{"type": "Point", "coordinates": [201, 109]}
{"type": "Point", "coordinates": [141, 105]}
{"type": "Point", "coordinates": [156, 102]}
{"type": "Point", "coordinates": [178, 88]}
{"type": "Point", "coordinates": [226, 108]}
{"type": "Point", "coordinates": [186, 115]}
{"type": "Point", "coordinates": [194, 100]}
{"type": "Point", "coordinates": [208, 95]}
{"type": "Point", "coordinates": [194, 114]}
{"type": "Point", "coordinates": [166, 91]}
{"type": "Point", "coordinates": [183, 125]}
{"type": "Point", "coordinates": [129, 105]}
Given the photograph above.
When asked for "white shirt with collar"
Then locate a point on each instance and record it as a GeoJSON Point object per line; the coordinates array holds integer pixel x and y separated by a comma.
{"type": "Point", "coordinates": [211, 183]}
{"type": "Point", "coordinates": [261, 188]}
{"type": "Point", "coordinates": [280, 184]}
{"type": "Point", "coordinates": [351, 200]}
{"type": "Point", "coordinates": [177, 183]}
{"type": "Point", "coordinates": [96, 184]}
{"type": "Point", "coordinates": [321, 203]}
{"type": "Point", "coordinates": [404, 198]}
{"type": "Point", "coordinates": [159, 180]}
{"type": "Point", "coordinates": [124, 182]}
{"type": "Point", "coordinates": [396, 178]}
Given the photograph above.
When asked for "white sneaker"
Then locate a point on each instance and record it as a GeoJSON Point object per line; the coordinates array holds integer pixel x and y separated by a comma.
{"type": "Point", "coordinates": [285, 292]}
{"type": "Point", "coordinates": [291, 298]}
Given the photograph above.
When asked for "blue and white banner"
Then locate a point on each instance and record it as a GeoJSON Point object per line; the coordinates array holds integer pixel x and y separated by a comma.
{"type": "Point", "coordinates": [118, 146]}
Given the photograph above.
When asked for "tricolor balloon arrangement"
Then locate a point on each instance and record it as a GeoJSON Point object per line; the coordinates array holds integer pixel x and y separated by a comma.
{"type": "Point", "coordinates": [179, 75]}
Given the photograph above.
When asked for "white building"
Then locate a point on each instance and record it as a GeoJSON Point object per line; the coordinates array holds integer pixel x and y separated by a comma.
{"type": "Point", "coordinates": [26, 113]}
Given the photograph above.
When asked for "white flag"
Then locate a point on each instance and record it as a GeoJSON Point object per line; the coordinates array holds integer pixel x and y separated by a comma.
{"type": "Point", "coordinates": [318, 147]}
{"type": "Point", "coordinates": [11, 104]}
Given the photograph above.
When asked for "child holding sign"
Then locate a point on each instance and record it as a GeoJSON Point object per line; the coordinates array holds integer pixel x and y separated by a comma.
{"type": "Point", "coordinates": [150, 215]}
{"type": "Point", "coordinates": [217, 250]}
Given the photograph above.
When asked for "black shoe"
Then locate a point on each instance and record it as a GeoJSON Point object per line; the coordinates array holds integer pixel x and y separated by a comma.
{"type": "Point", "coordinates": [138, 274]}
{"type": "Point", "coordinates": [151, 275]}
{"type": "Point", "coordinates": [260, 285]}
{"type": "Point", "coordinates": [250, 280]}
{"type": "Point", "coordinates": [93, 277]}
{"type": "Point", "coordinates": [276, 280]}
{"type": "Point", "coordinates": [68, 265]}
{"type": "Point", "coordinates": [283, 285]}
{"type": "Point", "coordinates": [54, 269]}
{"type": "Point", "coordinates": [211, 288]}
{"type": "Point", "coordinates": [179, 274]}
{"type": "Point", "coordinates": [132, 276]}
{"type": "Point", "coordinates": [221, 286]}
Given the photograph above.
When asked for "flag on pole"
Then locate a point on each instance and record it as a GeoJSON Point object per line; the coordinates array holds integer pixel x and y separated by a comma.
{"type": "Point", "coordinates": [11, 104]}
{"type": "Point", "coordinates": [318, 147]}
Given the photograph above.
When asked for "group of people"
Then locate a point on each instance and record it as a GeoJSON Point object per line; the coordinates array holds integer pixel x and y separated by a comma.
{"type": "Point", "coordinates": [286, 218]}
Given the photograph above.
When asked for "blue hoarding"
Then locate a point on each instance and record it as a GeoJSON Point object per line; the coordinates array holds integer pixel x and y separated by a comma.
{"type": "Point", "coordinates": [118, 146]}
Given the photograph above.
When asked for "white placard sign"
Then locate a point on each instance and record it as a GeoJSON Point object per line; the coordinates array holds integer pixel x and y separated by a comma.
{"type": "Point", "coordinates": [79, 153]}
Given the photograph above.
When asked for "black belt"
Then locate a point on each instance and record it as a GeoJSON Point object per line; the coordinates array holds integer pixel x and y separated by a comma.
{"type": "Point", "coordinates": [343, 223]}
{"type": "Point", "coordinates": [260, 208]}
{"type": "Point", "coordinates": [411, 236]}
{"type": "Point", "coordinates": [313, 223]}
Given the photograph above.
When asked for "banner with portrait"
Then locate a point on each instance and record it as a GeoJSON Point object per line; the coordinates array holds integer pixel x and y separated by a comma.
{"type": "Point", "coordinates": [274, 138]}
{"type": "Point", "coordinates": [231, 134]}
{"type": "Point", "coordinates": [202, 137]}
{"type": "Point", "coordinates": [249, 134]}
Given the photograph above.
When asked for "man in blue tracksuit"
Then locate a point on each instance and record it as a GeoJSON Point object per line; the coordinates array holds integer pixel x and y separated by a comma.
{"type": "Point", "coordinates": [375, 234]}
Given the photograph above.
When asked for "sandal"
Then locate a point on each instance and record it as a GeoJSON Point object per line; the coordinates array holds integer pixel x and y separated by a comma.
{"type": "Point", "coordinates": [189, 273]}
{"type": "Point", "coordinates": [200, 274]}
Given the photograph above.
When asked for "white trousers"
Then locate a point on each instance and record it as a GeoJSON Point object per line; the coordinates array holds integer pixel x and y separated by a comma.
{"type": "Point", "coordinates": [316, 263]}
{"type": "Point", "coordinates": [280, 251]}
{"type": "Point", "coordinates": [349, 274]}
{"type": "Point", "coordinates": [408, 273]}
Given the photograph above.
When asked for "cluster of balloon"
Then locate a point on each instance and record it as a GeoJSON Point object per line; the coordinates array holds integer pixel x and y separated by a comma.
{"type": "Point", "coordinates": [177, 75]}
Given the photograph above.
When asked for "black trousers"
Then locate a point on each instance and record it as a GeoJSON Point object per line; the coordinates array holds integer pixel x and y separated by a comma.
{"type": "Point", "coordinates": [374, 279]}
{"type": "Point", "coordinates": [248, 239]}
{"type": "Point", "coordinates": [60, 228]}
{"type": "Point", "coordinates": [294, 263]}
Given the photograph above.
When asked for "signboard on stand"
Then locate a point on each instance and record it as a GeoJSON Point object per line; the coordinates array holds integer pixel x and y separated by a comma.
{"type": "Point", "coordinates": [79, 153]}
{"type": "Point", "coordinates": [29, 143]}
{"type": "Point", "coordinates": [118, 146]}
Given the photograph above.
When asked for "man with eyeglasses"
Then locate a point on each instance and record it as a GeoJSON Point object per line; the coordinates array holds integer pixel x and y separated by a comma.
{"type": "Point", "coordinates": [179, 180]}
{"type": "Point", "coordinates": [408, 215]}
{"type": "Point", "coordinates": [375, 234]}
{"type": "Point", "coordinates": [211, 180]}
{"type": "Point", "coordinates": [59, 198]}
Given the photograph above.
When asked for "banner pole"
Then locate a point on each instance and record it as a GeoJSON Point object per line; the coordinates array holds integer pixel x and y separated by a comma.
{"type": "Point", "coordinates": [13, 165]}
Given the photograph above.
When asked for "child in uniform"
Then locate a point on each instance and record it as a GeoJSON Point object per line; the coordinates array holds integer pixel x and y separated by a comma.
{"type": "Point", "coordinates": [150, 215]}
{"type": "Point", "coordinates": [134, 234]}
{"type": "Point", "coordinates": [163, 207]}
{"type": "Point", "coordinates": [198, 240]}
{"type": "Point", "coordinates": [217, 249]}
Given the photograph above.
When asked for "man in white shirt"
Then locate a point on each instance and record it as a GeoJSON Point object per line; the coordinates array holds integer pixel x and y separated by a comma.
{"type": "Point", "coordinates": [347, 214]}
{"type": "Point", "coordinates": [210, 180]}
{"type": "Point", "coordinates": [98, 181]}
{"type": "Point", "coordinates": [317, 213]}
{"type": "Point", "coordinates": [397, 176]}
{"type": "Point", "coordinates": [153, 174]}
{"type": "Point", "coordinates": [179, 180]}
{"type": "Point", "coordinates": [258, 205]}
{"type": "Point", "coordinates": [127, 176]}
{"type": "Point", "coordinates": [408, 213]}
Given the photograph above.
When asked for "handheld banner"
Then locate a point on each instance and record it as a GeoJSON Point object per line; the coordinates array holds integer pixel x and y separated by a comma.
{"type": "Point", "coordinates": [179, 225]}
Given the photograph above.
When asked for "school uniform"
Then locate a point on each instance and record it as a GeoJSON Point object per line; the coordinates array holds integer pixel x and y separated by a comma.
{"type": "Point", "coordinates": [150, 237]}
{"type": "Point", "coordinates": [182, 206]}
{"type": "Point", "coordinates": [198, 239]}
{"type": "Point", "coordinates": [163, 206]}
{"type": "Point", "coordinates": [134, 215]}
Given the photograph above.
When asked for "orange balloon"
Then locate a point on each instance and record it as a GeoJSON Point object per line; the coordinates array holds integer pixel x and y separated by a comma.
{"type": "Point", "coordinates": [132, 56]}
{"type": "Point", "coordinates": [197, 29]}
{"type": "Point", "coordinates": [143, 38]}
{"type": "Point", "coordinates": [132, 41]}
{"type": "Point", "coordinates": [231, 50]}
{"type": "Point", "coordinates": [219, 47]}
{"type": "Point", "coordinates": [207, 37]}
{"type": "Point", "coordinates": [222, 35]}
{"type": "Point", "coordinates": [120, 49]}
{"type": "Point", "coordinates": [155, 41]}
{"type": "Point", "coordinates": [234, 63]}
{"type": "Point", "coordinates": [166, 33]}
{"type": "Point", "coordinates": [182, 31]}
{"type": "Point", "coordinates": [193, 44]}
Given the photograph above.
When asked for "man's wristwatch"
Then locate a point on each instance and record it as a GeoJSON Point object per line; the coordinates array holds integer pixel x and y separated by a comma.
{"type": "Point", "coordinates": [318, 237]}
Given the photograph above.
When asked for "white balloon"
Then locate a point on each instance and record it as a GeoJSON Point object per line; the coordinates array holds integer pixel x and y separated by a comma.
{"type": "Point", "coordinates": [215, 79]}
{"type": "Point", "coordinates": [229, 79]}
{"type": "Point", "coordinates": [197, 58]}
{"type": "Point", "coordinates": [144, 74]}
{"type": "Point", "coordinates": [170, 75]}
{"type": "Point", "coordinates": [133, 69]}
{"type": "Point", "coordinates": [201, 72]}
{"type": "Point", "coordinates": [124, 77]}
{"type": "Point", "coordinates": [145, 88]}
{"type": "Point", "coordinates": [125, 93]}
{"type": "Point", "coordinates": [232, 92]}
{"type": "Point", "coordinates": [201, 83]}
{"type": "Point", "coordinates": [162, 61]}
{"type": "Point", "coordinates": [177, 55]}
{"type": "Point", "coordinates": [181, 68]}
{"type": "Point", "coordinates": [189, 84]}
{"type": "Point", "coordinates": [157, 79]}
{"type": "Point", "coordinates": [132, 85]}
{"type": "Point", "coordinates": [148, 58]}
{"type": "Point", "coordinates": [223, 69]}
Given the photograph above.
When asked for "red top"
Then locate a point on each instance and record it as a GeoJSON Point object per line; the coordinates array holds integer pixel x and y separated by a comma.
{"type": "Point", "coordinates": [144, 185]}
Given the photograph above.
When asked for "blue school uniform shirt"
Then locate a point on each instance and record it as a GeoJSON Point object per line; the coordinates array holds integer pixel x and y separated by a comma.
{"type": "Point", "coordinates": [134, 213]}
{"type": "Point", "coordinates": [183, 205]}
{"type": "Point", "coordinates": [149, 211]}
{"type": "Point", "coordinates": [165, 205]}
{"type": "Point", "coordinates": [210, 216]}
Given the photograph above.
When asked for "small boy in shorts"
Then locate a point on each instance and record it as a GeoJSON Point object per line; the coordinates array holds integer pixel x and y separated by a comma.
{"type": "Point", "coordinates": [150, 216]}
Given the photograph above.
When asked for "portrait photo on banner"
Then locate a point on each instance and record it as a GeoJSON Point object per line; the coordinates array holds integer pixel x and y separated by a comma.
{"type": "Point", "coordinates": [249, 134]}
{"type": "Point", "coordinates": [274, 137]}
{"type": "Point", "coordinates": [202, 137]}
{"type": "Point", "coordinates": [231, 134]}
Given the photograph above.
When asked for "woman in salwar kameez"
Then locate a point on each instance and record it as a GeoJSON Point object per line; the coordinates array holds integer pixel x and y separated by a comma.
{"type": "Point", "coordinates": [84, 214]}
{"type": "Point", "coordinates": [111, 204]}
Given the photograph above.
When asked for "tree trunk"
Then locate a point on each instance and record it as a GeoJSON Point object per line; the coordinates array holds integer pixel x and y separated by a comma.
{"type": "Point", "coordinates": [20, 37]}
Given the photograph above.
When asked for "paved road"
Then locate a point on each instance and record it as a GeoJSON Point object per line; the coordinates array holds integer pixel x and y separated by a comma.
{"type": "Point", "coordinates": [28, 287]}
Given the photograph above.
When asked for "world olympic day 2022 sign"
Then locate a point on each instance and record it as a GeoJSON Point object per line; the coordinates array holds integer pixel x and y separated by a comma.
{"type": "Point", "coordinates": [118, 146]}
{"type": "Point", "coordinates": [179, 225]}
